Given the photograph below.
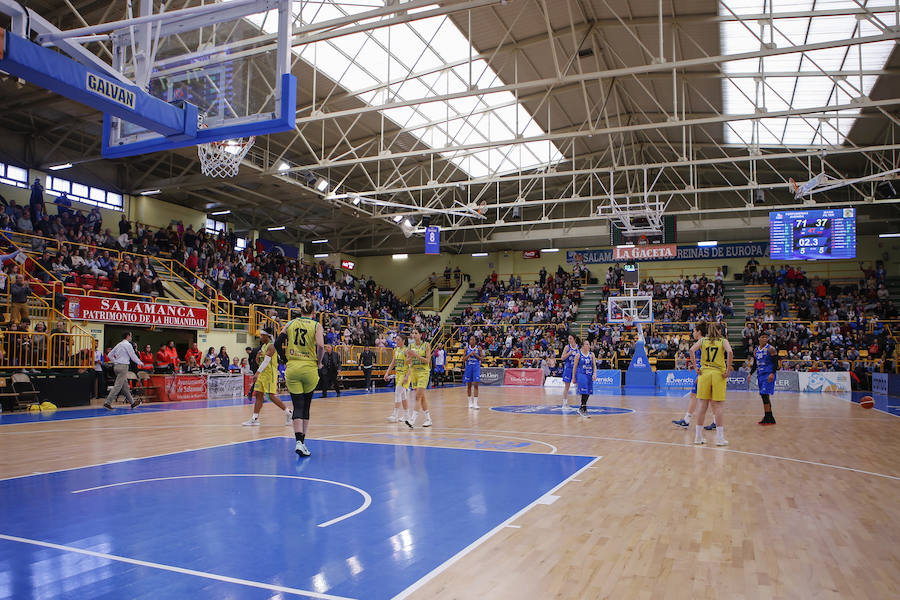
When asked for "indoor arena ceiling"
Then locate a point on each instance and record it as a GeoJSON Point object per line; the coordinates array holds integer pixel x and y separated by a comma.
{"type": "Point", "coordinates": [523, 123]}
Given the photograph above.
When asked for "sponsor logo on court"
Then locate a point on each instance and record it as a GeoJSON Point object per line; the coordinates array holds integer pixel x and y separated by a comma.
{"type": "Point", "coordinates": [544, 409]}
{"type": "Point", "coordinates": [110, 90]}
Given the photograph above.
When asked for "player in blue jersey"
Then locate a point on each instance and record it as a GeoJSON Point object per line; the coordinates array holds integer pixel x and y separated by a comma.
{"type": "Point", "coordinates": [568, 360]}
{"type": "Point", "coordinates": [584, 367]}
{"type": "Point", "coordinates": [764, 363]}
{"type": "Point", "coordinates": [685, 422]}
{"type": "Point", "coordinates": [472, 374]}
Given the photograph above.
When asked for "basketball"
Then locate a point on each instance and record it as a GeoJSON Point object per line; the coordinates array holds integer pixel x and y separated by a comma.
{"type": "Point", "coordinates": [867, 402]}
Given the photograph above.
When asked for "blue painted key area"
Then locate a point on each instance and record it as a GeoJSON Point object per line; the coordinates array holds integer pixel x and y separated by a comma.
{"type": "Point", "coordinates": [264, 520]}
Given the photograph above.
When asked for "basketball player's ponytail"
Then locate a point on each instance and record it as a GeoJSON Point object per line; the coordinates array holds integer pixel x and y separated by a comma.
{"type": "Point", "coordinates": [714, 331]}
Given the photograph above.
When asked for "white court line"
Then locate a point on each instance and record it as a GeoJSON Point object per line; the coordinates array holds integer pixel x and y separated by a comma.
{"type": "Point", "coordinates": [548, 499]}
{"type": "Point", "coordinates": [514, 526]}
{"type": "Point", "coordinates": [459, 555]}
{"type": "Point", "coordinates": [553, 449]}
{"type": "Point", "coordinates": [367, 499]}
{"type": "Point", "coordinates": [713, 449]}
{"type": "Point", "coordinates": [271, 437]}
{"type": "Point", "coordinates": [173, 569]}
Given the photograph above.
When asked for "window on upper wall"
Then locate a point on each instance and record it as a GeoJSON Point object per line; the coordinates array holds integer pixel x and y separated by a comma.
{"type": "Point", "coordinates": [13, 175]}
{"type": "Point", "coordinates": [240, 244]}
{"type": "Point", "coordinates": [213, 226]}
{"type": "Point", "coordinates": [79, 192]}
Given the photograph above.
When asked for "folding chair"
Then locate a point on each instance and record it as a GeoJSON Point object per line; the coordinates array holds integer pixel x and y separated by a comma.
{"type": "Point", "coordinates": [26, 394]}
{"type": "Point", "coordinates": [7, 391]}
{"type": "Point", "coordinates": [134, 387]}
{"type": "Point", "coordinates": [150, 393]}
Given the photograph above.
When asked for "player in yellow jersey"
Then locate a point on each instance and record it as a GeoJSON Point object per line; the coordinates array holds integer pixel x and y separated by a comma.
{"type": "Point", "coordinates": [715, 367]}
{"type": "Point", "coordinates": [401, 379]}
{"type": "Point", "coordinates": [302, 342]}
{"type": "Point", "coordinates": [418, 356]}
{"type": "Point", "coordinates": [266, 381]}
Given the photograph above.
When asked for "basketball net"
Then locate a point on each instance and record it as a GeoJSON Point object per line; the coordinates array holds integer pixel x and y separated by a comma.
{"type": "Point", "coordinates": [223, 159]}
{"type": "Point", "coordinates": [629, 322]}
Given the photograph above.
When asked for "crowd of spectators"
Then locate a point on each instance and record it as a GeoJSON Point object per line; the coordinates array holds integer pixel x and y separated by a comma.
{"type": "Point", "coordinates": [245, 276]}
{"type": "Point", "coordinates": [819, 324]}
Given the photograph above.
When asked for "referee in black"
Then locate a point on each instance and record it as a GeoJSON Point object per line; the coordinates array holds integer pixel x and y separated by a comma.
{"type": "Point", "coordinates": [367, 363]}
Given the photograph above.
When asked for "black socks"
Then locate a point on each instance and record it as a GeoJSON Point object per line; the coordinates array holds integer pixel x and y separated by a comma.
{"type": "Point", "coordinates": [584, 399]}
{"type": "Point", "coordinates": [300, 437]}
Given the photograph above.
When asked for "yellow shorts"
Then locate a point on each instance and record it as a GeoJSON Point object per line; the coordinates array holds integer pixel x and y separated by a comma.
{"type": "Point", "coordinates": [301, 377]}
{"type": "Point", "coordinates": [267, 383]}
{"type": "Point", "coordinates": [418, 379]}
{"type": "Point", "coordinates": [711, 385]}
{"type": "Point", "coordinates": [400, 379]}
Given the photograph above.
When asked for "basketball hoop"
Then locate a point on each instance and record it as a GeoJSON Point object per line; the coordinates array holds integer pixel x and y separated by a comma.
{"type": "Point", "coordinates": [223, 159]}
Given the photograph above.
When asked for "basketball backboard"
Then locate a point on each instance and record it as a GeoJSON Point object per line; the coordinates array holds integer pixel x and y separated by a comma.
{"type": "Point", "coordinates": [630, 308]}
{"type": "Point", "coordinates": [197, 75]}
{"type": "Point", "coordinates": [222, 61]}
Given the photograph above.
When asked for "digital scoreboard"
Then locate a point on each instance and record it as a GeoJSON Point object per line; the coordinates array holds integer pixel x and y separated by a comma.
{"type": "Point", "coordinates": [812, 234]}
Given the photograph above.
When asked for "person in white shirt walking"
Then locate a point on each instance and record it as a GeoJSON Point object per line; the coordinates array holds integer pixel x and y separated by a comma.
{"type": "Point", "coordinates": [121, 356]}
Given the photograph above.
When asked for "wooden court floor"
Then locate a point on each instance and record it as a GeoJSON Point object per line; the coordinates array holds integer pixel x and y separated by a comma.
{"type": "Point", "coordinates": [806, 509]}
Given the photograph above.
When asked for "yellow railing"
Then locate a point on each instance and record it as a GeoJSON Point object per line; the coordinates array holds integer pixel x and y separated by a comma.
{"type": "Point", "coordinates": [39, 350]}
{"type": "Point", "coordinates": [350, 355]}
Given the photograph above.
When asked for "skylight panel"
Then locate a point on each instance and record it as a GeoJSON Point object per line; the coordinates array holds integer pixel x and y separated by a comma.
{"type": "Point", "coordinates": [365, 60]}
{"type": "Point", "coordinates": [742, 95]}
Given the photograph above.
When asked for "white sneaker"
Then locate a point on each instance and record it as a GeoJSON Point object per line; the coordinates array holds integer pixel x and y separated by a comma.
{"type": "Point", "coordinates": [470, 403]}
{"type": "Point", "coordinates": [475, 405]}
{"type": "Point", "coordinates": [427, 422]}
{"type": "Point", "coordinates": [392, 419]}
{"type": "Point", "coordinates": [301, 449]}
{"type": "Point", "coordinates": [288, 417]}
{"type": "Point", "coordinates": [251, 423]}
{"type": "Point", "coordinates": [700, 441]}
{"type": "Point", "coordinates": [722, 442]}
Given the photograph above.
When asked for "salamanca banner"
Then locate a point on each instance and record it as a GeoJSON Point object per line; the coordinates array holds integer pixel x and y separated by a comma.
{"type": "Point", "coordinates": [130, 312]}
{"type": "Point", "coordinates": [660, 252]}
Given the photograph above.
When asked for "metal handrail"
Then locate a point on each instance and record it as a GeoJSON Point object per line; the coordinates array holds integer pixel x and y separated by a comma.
{"type": "Point", "coordinates": [46, 350]}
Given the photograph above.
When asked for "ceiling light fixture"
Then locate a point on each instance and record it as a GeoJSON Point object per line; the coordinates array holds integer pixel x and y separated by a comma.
{"type": "Point", "coordinates": [279, 228]}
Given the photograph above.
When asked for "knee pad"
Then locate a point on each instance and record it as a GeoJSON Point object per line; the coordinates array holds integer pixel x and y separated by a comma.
{"type": "Point", "coordinates": [301, 405]}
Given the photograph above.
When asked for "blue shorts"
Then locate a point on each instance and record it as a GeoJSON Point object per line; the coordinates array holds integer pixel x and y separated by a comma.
{"type": "Point", "coordinates": [472, 374]}
{"type": "Point", "coordinates": [438, 368]}
{"type": "Point", "coordinates": [567, 372]}
{"type": "Point", "coordinates": [585, 384]}
{"type": "Point", "coordinates": [765, 386]}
